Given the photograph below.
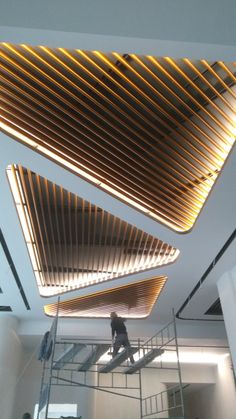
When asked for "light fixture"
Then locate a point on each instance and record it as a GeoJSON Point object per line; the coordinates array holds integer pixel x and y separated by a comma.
{"type": "Point", "coordinates": [73, 243]}
{"type": "Point", "coordinates": [131, 301]}
{"type": "Point", "coordinates": [152, 131]}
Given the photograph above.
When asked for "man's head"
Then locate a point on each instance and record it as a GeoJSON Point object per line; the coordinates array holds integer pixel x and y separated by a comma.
{"type": "Point", "coordinates": [113, 314]}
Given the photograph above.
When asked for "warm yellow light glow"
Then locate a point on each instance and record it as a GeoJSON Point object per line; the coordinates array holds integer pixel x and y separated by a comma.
{"type": "Point", "coordinates": [24, 217]}
{"type": "Point", "coordinates": [82, 280]}
{"type": "Point", "coordinates": [38, 277]}
{"type": "Point", "coordinates": [233, 129]}
{"type": "Point", "coordinates": [13, 185]}
{"type": "Point", "coordinates": [32, 256]}
{"type": "Point", "coordinates": [23, 222]}
{"type": "Point", "coordinates": [143, 295]}
{"type": "Point", "coordinates": [17, 134]}
{"type": "Point", "coordinates": [233, 135]}
{"type": "Point", "coordinates": [85, 175]}
{"type": "Point", "coordinates": [142, 106]}
{"type": "Point", "coordinates": [20, 204]}
{"type": "Point", "coordinates": [29, 225]}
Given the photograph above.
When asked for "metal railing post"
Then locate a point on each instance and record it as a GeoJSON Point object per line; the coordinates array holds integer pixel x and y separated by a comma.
{"type": "Point", "coordinates": [140, 387]}
{"type": "Point", "coordinates": [178, 364]}
{"type": "Point", "coordinates": [52, 358]}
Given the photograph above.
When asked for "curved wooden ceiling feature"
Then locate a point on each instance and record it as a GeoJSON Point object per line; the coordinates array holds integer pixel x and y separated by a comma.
{"type": "Point", "coordinates": [155, 132]}
{"type": "Point", "coordinates": [73, 243]}
{"type": "Point", "coordinates": [133, 301]}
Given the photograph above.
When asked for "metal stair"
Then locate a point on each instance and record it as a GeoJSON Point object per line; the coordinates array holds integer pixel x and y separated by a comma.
{"type": "Point", "coordinates": [146, 359]}
{"type": "Point", "coordinates": [68, 355]}
{"type": "Point", "coordinates": [117, 360]}
{"type": "Point", "coordinates": [93, 357]}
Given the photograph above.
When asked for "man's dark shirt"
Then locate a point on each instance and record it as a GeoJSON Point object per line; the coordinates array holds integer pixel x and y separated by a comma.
{"type": "Point", "coordinates": [117, 325]}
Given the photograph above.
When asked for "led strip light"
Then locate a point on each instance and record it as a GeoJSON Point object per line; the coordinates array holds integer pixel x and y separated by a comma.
{"type": "Point", "coordinates": [155, 132]}
{"type": "Point", "coordinates": [134, 300]}
{"type": "Point", "coordinates": [73, 243]}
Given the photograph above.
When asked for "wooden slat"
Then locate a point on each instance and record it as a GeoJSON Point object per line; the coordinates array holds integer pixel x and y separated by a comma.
{"type": "Point", "coordinates": [134, 300]}
{"type": "Point", "coordinates": [153, 131]}
{"type": "Point", "coordinates": [79, 244]}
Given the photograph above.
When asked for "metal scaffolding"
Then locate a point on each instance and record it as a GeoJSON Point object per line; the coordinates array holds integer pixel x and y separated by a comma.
{"type": "Point", "coordinates": [73, 362]}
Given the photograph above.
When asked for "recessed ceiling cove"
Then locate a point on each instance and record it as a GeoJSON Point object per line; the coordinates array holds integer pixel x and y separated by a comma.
{"type": "Point", "coordinates": [73, 243]}
{"type": "Point", "coordinates": [134, 300]}
{"type": "Point", "coordinates": [155, 132]}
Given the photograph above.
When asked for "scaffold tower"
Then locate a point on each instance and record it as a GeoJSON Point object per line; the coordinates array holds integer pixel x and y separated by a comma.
{"type": "Point", "coordinates": [83, 363]}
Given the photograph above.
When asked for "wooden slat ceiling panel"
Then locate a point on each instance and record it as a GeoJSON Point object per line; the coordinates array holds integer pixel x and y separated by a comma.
{"type": "Point", "coordinates": [153, 131]}
{"type": "Point", "coordinates": [134, 300]}
{"type": "Point", "coordinates": [73, 243]}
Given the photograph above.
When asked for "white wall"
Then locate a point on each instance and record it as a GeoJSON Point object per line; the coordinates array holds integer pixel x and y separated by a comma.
{"type": "Point", "coordinates": [117, 407]}
{"type": "Point", "coordinates": [227, 292]}
{"type": "Point", "coordinates": [28, 387]}
{"type": "Point", "coordinates": [10, 351]}
{"type": "Point", "coordinates": [94, 404]}
{"type": "Point", "coordinates": [28, 391]}
{"type": "Point", "coordinates": [217, 401]}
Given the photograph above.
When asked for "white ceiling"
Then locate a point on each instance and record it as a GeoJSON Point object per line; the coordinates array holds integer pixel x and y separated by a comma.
{"type": "Point", "coordinates": [164, 28]}
{"type": "Point", "coordinates": [216, 221]}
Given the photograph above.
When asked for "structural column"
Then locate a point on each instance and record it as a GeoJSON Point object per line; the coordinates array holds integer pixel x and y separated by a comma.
{"type": "Point", "coordinates": [227, 292]}
{"type": "Point", "coordinates": [10, 351]}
